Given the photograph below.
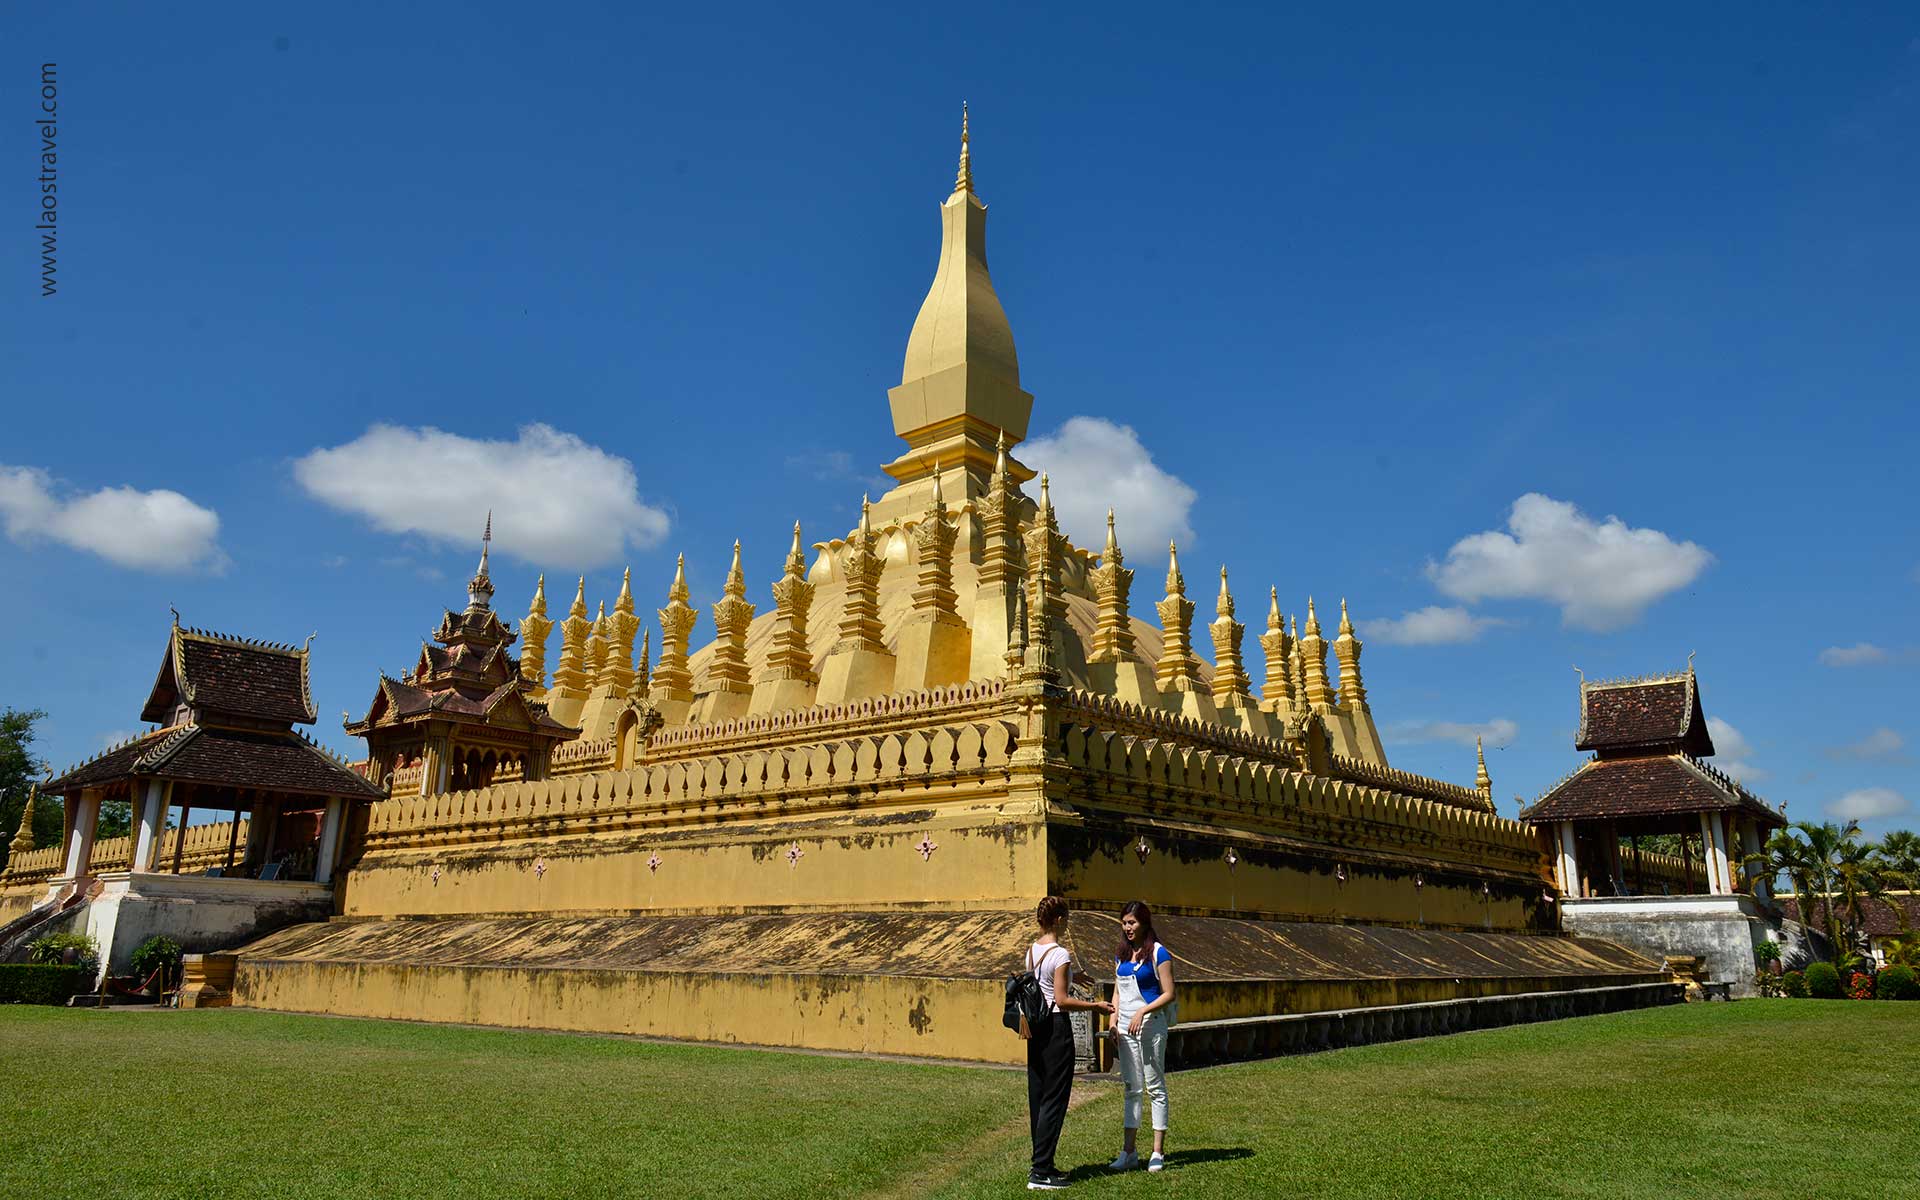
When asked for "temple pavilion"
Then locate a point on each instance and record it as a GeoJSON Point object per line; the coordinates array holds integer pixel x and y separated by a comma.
{"type": "Point", "coordinates": [1648, 776]}
{"type": "Point", "coordinates": [462, 717]}
{"type": "Point", "coordinates": [224, 710]}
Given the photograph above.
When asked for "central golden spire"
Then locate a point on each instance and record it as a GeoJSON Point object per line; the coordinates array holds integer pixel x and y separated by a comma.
{"type": "Point", "coordinates": [960, 381]}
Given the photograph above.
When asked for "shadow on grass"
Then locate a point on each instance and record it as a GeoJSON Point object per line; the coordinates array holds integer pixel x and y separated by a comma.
{"type": "Point", "coordinates": [1175, 1159]}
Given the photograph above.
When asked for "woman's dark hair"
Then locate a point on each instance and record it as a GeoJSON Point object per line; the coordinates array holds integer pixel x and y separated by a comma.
{"type": "Point", "coordinates": [1148, 938]}
{"type": "Point", "coordinates": [1050, 911]}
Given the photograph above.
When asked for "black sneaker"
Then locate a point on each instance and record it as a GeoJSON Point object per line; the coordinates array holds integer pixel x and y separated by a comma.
{"type": "Point", "coordinates": [1048, 1181]}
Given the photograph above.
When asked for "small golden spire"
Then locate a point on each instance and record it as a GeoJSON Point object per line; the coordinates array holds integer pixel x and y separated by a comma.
{"type": "Point", "coordinates": [866, 520]}
{"type": "Point", "coordinates": [1274, 623]}
{"type": "Point", "coordinates": [1224, 606]}
{"type": "Point", "coordinates": [939, 500]}
{"type": "Point", "coordinates": [1000, 456]}
{"type": "Point", "coordinates": [23, 837]}
{"type": "Point", "coordinates": [1346, 626]}
{"type": "Point", "coordinates": [1112, 554]}
{"type": "Point", "coordinates": [678, 591]}
{"type": "Point", "coordinates": [1046, 499]}
{"type": "Point", "coordinates": [579, 606]}
{"type": "Point", "coordinates": [1482, 780]}
{"type": "Point", "coordinates": [539, 606]}
{"type": "Point", "coordinates": [736, 579]}
{"type": "Point", "coordinates": [1313, 621]}
{"type": "Point", "coordinates": [1176, 582]}
{"type": "Point", "coordinates": [796, 557]}
{"type": "Point", "coordinates": [963, 181]}
{"type": "Point", "coordinates": [624, 602]}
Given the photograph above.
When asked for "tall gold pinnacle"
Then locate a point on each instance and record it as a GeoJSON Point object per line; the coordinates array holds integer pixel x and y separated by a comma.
{"type": "Point", "coordinates": [963, 181]}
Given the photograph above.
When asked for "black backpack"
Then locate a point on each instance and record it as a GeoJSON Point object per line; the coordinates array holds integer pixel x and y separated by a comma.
{"type": "Point", "coordinates": [1026, 1003]}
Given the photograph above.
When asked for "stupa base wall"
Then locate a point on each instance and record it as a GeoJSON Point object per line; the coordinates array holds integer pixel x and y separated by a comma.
{"type": "Point", "coordinates": [923, 984]}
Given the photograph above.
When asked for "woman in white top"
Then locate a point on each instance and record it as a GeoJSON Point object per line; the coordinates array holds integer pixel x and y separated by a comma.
{"type": "Point", "coordinates": [1050, 1043]}
{"type": "Point", "coordinates": [1142, 989]}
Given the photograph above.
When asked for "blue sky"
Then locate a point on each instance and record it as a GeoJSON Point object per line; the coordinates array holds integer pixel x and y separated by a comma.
{"type": "Point", "coordinates": [1369, 288]}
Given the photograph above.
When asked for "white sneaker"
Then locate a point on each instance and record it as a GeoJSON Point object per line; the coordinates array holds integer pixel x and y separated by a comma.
{"type": "Point", "coordinates": [1127, 1161]}
{"type": "Point", "coordinates": [1157, 1163]}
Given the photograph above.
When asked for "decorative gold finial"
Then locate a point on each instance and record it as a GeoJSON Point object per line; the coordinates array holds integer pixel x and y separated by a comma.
{"type": "Point", "coordinates": [1346, 626]}
{"type": "Point", "coordinates": [579, 606]}
{"type": "Point", "coordinates": [23, 837]}
{"type": "Point", "coordinates": [1113, 543]}
{"type": "Point", "coordinates": [796, 557]}
{"type": "Point", "coordinates": [963, 181]}
{"type": "Point", "coordinates": [866, 519]}
{"type": "Point", "coordinates": [1481, 780]}
{"type": "Point", "coordinates": [1313, 619]}
{"type": "Point", "coordinates": [736, 584]}
{"type": "Point", "coordinates": [678, 590]}
{"type": "Point", "coordinates": [1224, 606]}
{"type": "Point", "coordinates": [939, 500]}
{"type": "Point", "coordinates": [1176, 582]}
{"type": "Point", "coordinates": [624, 601]}
{"type": "Point", "coordinates": [539, 605]}
{"type": "Point", "coordinates": [1274, 623]}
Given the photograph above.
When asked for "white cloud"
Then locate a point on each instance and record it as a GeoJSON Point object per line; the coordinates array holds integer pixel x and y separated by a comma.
{"type": "Point", "coordinates": [1094, 464]}
{"type": "Point", "coordinates": [1429, 626]}
{"type": "Point", "coordinates": [1882, 743]}
{"type": "Point", "coordinates": [1602, 574]}
{"type": "Point", "coordinates": [1497, 732]}
{"type": "Point", "coordinates": [1860, 654]}
{"type": "Point", "coordinates": [1866, 804]}
{"type": "Point", "coordinates": [1733, 754]}
{"type": "Point", "coordinates": [556, 500]}
{"type": "Point", "coordinates": [159, 530]}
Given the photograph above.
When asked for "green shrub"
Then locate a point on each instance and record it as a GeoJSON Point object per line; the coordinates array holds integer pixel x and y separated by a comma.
{"type": "Point", "coordinates": [41, 983]}
{"type": "Point", "coordinates": [52, 949]}
{"type": "Point", "coordinates": [1823, 982]}
{"type": "Point", "coordinates": [1897, 983]}
{"type": "Point", "coordinates": [1766, 952]}
{"type": "Point", "coordinates": [157, 953]}
{"type": "Point", "coordinates": [1794, 985]}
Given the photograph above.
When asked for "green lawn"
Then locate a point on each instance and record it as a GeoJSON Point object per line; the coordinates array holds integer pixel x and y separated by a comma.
{"type": "Point", "coordinates": [1761, 1098]}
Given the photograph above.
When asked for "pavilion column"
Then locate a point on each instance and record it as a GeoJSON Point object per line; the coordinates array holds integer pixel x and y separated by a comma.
{"type": "Point", "coordinates": [1567, 862]}
{"type": "Point", "coordinates": [86, 818]}
{"type": "Point", "coordinates": [153, 822]}
{"type": "Point", "coordinates": [180, 836]}
{"type": "Point", "coordinates": [1750, 845]}
{"type": "Point", "coordinates": [329, 850]}
{"type": "Point", "coordinates": [1713, 845]}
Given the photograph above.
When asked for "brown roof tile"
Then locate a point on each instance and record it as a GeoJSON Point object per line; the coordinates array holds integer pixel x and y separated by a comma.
{"type": "Point", "coordinates": [229, 676]}
{"type": "Point", "coordinates": [1658, 712]}
{"type": "Point", "coordinates": [1669, 784]}
{"type": "Point", "coordinates": [222, 758]}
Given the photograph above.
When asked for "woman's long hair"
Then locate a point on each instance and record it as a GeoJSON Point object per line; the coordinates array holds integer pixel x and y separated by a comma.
{"type": "Point", "coordinates": [1148, 938]}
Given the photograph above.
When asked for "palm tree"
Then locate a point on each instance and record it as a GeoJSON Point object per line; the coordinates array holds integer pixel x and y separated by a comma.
{"type": "Point", "coordinates": [1899, 855]}
{"type": "Point", "coordinates": [1807, 855]}
{"type": "Point", "coordinates": [1858, 876]}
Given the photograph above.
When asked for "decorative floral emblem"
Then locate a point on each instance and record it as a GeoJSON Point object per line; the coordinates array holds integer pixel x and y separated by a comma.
{"type": "Point", "coordinates": [1233, 860]}
{"type": "Point", "coordinates": [436, 874]}
{"type": "Point", "coordinates": [926, 848]}
{"type": "Point", "coordinates": [540, 867]}
{"type": "Point", "coordinates": [1142, 849]}
{"type": "Point", "coordinates": [795, 854]}
{"type": "Point", "coordinates": [653, 861]}
{"type": "Point", "coordinates": [1340, 872]}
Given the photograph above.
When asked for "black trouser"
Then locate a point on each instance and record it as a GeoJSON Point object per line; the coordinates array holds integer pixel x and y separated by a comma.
{"type": "Point", "coordinates": [1049, 1083]}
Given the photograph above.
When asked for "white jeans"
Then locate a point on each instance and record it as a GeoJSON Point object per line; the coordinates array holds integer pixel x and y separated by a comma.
{"type": "Point", "coordinates": [1143, 1065]}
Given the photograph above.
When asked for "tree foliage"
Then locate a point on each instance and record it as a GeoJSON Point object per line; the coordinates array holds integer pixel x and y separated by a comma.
{"type": "Point", "coordinates": [20, 768]}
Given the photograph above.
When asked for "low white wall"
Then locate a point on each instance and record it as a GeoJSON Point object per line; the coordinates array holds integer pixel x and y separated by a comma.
{"type": "Point", "coordinates": [1720, 930]}
{"type": "Point", "coordinates": [199, 912]}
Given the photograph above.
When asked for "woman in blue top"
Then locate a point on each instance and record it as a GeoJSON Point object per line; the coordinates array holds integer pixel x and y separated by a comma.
{"type": "Point", "coordinates": [1142, 989]}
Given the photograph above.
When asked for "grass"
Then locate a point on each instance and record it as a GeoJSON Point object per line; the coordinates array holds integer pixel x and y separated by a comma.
{"type": "Point", "coordinates": [1760, 1098]}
